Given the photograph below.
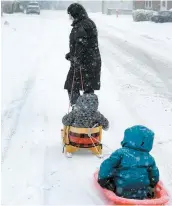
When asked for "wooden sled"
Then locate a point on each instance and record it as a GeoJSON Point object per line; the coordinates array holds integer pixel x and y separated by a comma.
{"type": "Point", "coordinates": [75, 138]}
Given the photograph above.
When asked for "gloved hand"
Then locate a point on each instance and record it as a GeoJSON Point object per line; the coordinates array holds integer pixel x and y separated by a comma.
{"type": "Point", "coordinates": [107, 183]}
{"type": "Point", "coordinates": [103, 182]}
{"type": "Point", "coordinates": [68, 56]}
{"type": "Point", "coordinates": [151, 192]}
{"type": "Point", "coordinates": [76, 62]}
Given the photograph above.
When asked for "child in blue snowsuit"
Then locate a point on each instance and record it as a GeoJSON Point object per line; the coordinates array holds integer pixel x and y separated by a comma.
{"type": "Point", "coordinates": [131, 171]}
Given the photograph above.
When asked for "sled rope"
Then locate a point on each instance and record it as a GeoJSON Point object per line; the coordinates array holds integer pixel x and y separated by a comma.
{"type": "Point", "coordinates": [102, 143]}
{"type": "Point", "coordinates": [71, 90]}
{"type": "Point", "coordinates": [94, 144]}
{"type": "Point", "coordinates": [91, 137]}
{"type": "Point", "coordinates": [89, 134]}
{"type": "Point", "coordinates": [82, 84]}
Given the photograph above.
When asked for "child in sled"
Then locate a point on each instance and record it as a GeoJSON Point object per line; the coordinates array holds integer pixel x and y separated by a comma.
{"type": "Point", "coordinates": [85, 113]}
{"type": "Point", "coordinates": [131, 171]}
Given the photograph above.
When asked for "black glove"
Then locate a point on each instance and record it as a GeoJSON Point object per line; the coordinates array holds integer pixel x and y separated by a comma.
{"type": "Point", "coordinates": [76, 63]}
{"type": "Point", "coordinates": [68, 56]}
{"type": "Point", "coordinates": [151, 192]}
{"type": "Point", "coordinates": [103, 182]}
{"type": "Point", "coordinates": [107, 183]}
{"type": "Point", "coordinates": [75, 60]}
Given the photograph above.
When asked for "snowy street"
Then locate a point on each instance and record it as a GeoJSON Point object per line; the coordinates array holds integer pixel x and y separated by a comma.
{"type": "Point", "coordinates": [136, 88]}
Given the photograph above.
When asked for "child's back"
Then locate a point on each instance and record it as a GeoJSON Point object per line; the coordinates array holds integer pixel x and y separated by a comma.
{"type": "Point", "coordinates": [85, 114]}
{"type": "Point", "coordinates": [133, 168]}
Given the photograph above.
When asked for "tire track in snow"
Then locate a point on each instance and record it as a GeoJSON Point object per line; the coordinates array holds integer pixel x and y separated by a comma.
{"type": "Point", "coordinates": [11, 118]}
{"type": "Point", "coordinates": [137, 67]}
{"type": "Point", "coordinates": [135, 87]}
{"type": "Point", "coordinates": [146, 60]}
{"type": "Point", "coordinates": [11, 115]}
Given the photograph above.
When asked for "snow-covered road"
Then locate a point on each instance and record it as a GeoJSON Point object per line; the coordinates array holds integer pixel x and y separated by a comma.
{"type": "Point", "coordinates": [136, 89]}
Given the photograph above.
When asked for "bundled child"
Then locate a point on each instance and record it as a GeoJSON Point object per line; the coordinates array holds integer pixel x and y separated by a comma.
{"type": "Point", "coordinates": [85, 113]}
{"type": "Point", "coordinates": [130, 171]}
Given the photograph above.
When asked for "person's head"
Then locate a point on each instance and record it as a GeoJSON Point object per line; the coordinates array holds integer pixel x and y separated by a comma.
{"type": "Point", "coordinates": [76, 11]}
{"type": "Point", "coordinates": [138, 137]}
{"type": "Point", "coordinates": [87, 102]}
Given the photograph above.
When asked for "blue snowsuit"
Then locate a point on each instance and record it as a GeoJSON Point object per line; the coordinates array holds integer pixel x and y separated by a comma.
{"type": "Point", "coordinates": [132, 168]}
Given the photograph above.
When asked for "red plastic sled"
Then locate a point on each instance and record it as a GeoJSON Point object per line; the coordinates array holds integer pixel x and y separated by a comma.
{"type": "Point", "coordinates": [161, 198]}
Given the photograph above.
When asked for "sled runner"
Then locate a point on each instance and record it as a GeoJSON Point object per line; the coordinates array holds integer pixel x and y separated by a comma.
{"type": "Point", "coordinates": [75, 138]}
{"type": "Point", "coordinates": [161, 196]}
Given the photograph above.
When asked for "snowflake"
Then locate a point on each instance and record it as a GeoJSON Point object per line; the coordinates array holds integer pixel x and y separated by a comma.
{"type": "Point", "coordinates": [119, 190]}
{"type": "Point", "coordinates": [120, 182]}
{"type": "Point", "coordinates": [127, 176]}
{"type": "Point", "coordinates": [158, 189]}
{"type": "Point", "coordinates": [146, 163]}
{"type": "Point", "coordinates": [138, 159]}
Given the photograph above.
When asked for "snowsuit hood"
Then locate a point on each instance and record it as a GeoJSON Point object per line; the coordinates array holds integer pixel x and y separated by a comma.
{"type": "Point", "coordinates": [86, 114]}
{"type": "Point", "coordinates": [77, 11]}
{"type": "Point", "coordinates": [138, 137]}
{"type": "Point", "coordinates": [87, 103]}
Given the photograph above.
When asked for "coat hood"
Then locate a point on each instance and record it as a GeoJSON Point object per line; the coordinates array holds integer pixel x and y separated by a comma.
{"type": "Point", "coordinates": [77, 11]}
{"type": "Point", "coordinates": [138, 137]}
{"type": "Point", "coordinates": [87, 103]}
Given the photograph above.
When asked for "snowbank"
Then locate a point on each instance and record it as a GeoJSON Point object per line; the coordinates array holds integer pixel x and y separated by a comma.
{"type": "Point", "coordinates": [142, 15]}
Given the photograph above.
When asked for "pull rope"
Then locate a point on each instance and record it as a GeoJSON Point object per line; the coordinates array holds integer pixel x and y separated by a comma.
{"type": "Point", "coordinates": [82, 83]}
{"type": "Point", "coordinates": [102, 143]}
{"type": "Point", "coordinates": [91, 137]}
{"type": "Point", "coordinates": [71, 90]}
{"type": "Point", "coordinates": [89, 134]}
{"type": "Point", "coordinates": [95, 146]}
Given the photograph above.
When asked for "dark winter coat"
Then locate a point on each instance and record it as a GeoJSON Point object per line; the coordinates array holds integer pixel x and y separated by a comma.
{"type": "Point", "coordinates": [84, 52]}
{"type": "Point", "coordinates": [85, 114]}
{"type": "Point", "coordinates": [132, 167]}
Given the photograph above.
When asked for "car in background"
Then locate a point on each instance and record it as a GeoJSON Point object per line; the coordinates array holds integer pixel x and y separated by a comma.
{"type": "Point", "coordinates": [162, 16]}
{"type": "Point", "coordinates": [33, 8]}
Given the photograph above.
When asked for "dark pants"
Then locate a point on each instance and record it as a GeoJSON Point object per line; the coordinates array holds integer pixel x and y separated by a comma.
{"type": "Point", "coordinates": [73, 96]}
